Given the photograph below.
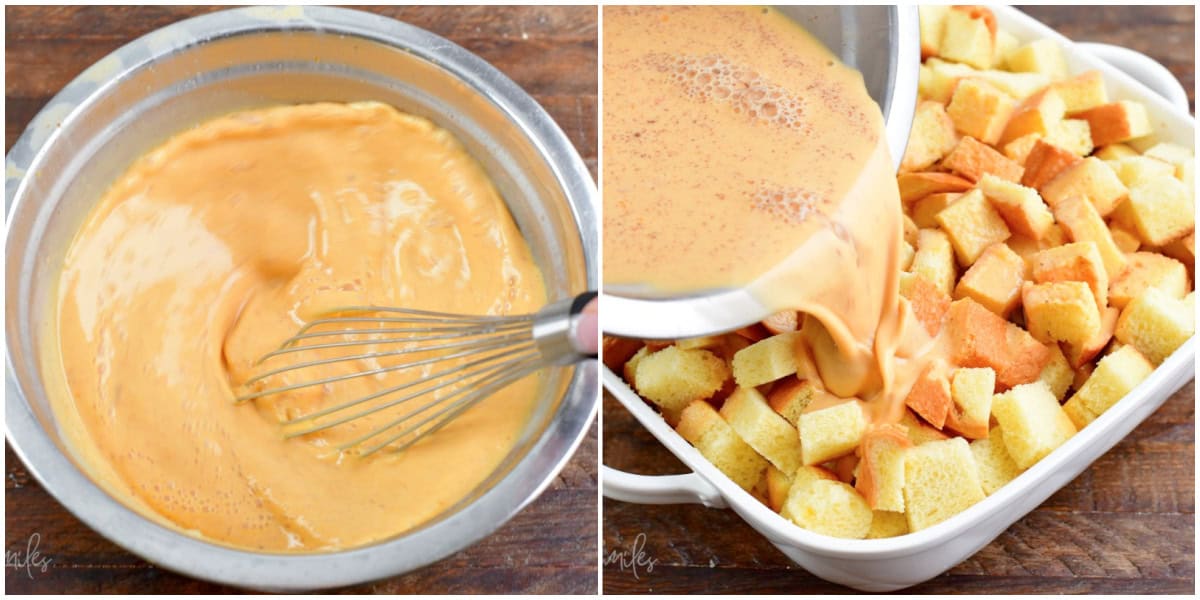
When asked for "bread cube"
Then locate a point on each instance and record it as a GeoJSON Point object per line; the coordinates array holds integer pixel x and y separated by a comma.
{"type": "Point", "coordinates": [1036, 114]}
{"type": "Point", "coordinates": [924, 211]}
{"type": "Point", "coordinates": [1091, 178]}
{"type": "Point", "coordinates": [1079, 414]}
{"type": "Point", "coordinates": [673, 378]}
{"type": "Point", "coordinates": [915, 186]}
{"type": "Point", "coordinates": [1156, 324]}
{"type": "Point", "coordinates": [972, 225]}
{"type": "Point", "coordinates": [934, 260]}
{"type": "Point", "coordinates": [706, 342]}
{"type": "Point", "coordinates": [1125, 237]}
{"type": "Point", "coordinates": [966, 38]}
{"type": "Point", "coordinates": [1062, 311]}
{"type": "Point", "coordinates": [928, 303]}
{"type": "Point", "coordinates": [994, 280]}
{"type": "Point", "coordinates": [1005, 44]}
{"type": "Point", "coordinates": [1162, 210]}
{"type": "Point", "coordinates": [1137, 170]}
{"type": "Point", "coordinates": [1039, 56]}
{"type": "Point", "coordinates": [1033, 422]}
{"type": "Point", "coordinates": [1045, 162]}
{"type": "Point", "coordinates": [1018, 150]}
{"type": "Point", "coordinates": [1113, 152]}
{"type": "Point", "coordinates": [1077, 261]}
{"type": "Point", "coordinates": [1149, 270]}
{"type": "Point", "coordinates": [766, 431]}
{"type": "Point", "coordinates": [938, 79]}
{"type": "Point", "coordinates": [918, 431]}
{"type": "Point", "coordinates": [1114, 377]}
{"type": "Point", "coordinates": [971, 389]}
{"type": "Point", "coordinates": [910, 232]}
{"type": "Point", "coordinates": [1074, 135]}
{"type": "Point", "coordinates": [971, 158]}
{"type": "Point", "coordinates": [931, 137]}
{"type": "Point", "coordinates": [906, 255]}
{"type": "Point", "coordinates": [616, 351]}
{"type": "Point", "coordinates": [831, 508]}
{"type": "Point", "coordinates": [1057, 374]}
{"type": "Point", "coordinates": [778, 484]}
{"type": "Point", "coordinates": [1078, 354]}
{"type": "Point", "coordinates": [932, 18]}
{"type": "Point", "coordinates": [1021, 207]}
{"type": "Point", "coordinates": [1172, 154]}
{"type": "Point", "coordinates": [881, 472]}
{"type": "Point", "coordinates": [1017, 85]}
{"type": "Point", "coordinates": [1117, 122]}
{"type": "Point", "coordinates": [1184, 251]}
{"type": "Point", "coordinates": [831, 432]}
{"type": "Point", "coordinates": [981, 338]}
{"type": "Point", "coordinates": [629, 371]}
{"type": "Point", "coordinates": [996, 467]}
{"type": "Point", "coordinates": [1078, 217]}
{"type": "Point", "coordinates": [980, 110]}
{"type": "Point", "coordinates": [941, 480]}
{"type": "Point", "coordinates": [766, 360]}
{"type": "Point", "coordinates": [885, 524]}
{"type": "Point", "coordinates": [790, 396]}
{"type": "Point", "coordinates": [1082, 92]}
{"type": "Point", "coordinates": [717, 441]}
{"type": "Point", "coordinates": [930, 397]}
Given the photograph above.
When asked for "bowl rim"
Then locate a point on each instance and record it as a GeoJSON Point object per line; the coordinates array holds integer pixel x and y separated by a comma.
{"type": "Point", "coordinates": [177, 551]}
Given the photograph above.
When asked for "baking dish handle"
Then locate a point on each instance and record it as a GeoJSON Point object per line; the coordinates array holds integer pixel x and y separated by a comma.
{"type": "Point", "coordinates": [1144, 69]}
{"type": "Point", "coordinates": [659, 489]}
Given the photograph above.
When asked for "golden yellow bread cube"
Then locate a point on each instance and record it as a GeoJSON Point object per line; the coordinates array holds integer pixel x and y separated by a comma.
{"type": "Point", "coordinates": [980, 110]}
{"type": "Point", "coordinates": [980, 338]}
{"type": "Point", "coordinates": [706, 342]}
{"type": "Point", "coordinates": [1156, 324]}
{"type": "Point", "coordinates": [831, 508]}
{"type": "Point", "coordinates": [1091, 178]}
{"type": "Point", "coordinates": [924, 211]}
{"type": "Point", "coordinates": [629, 371]}
{"type": "Point", "coordinates": [1172, 154]}
{"type": "Point", "coordinates": [972, 389]}
{"type": "Point", "coordinates": [994, 280]}
{"type": "Point", "coordinates": [1033, 422]}
{"type": "Point", "coordinates": [928, 304]}
{"type": "Point", "coordinates": [1078, 354]}
{"type": "Point", "coordinates": [881, 471]}
{"type": "Point", "coordinates": [915, 186]}
{"type": "Point", "coordinates": [1081, 92]}
{"type": "Point", "coordinates": [790, 396]}
{"type": "Point", "coordinates": [1149, 270]}
{"type": "Point", "coordinates": [1017, 85]}
{"type": "Point", "coordinates": [906, 255]}
{"type": "Point", "coordinates": [1081, 222]}
{"type": "Point", "coordinates": [1039, 56]}
{"type": "Point", "coordinates": [967, 40]}
{"type": "Point", "coordinates": [996, 467]}
{"type": "Point", "coordinates": [1077, 261]}
{"type": "Point", "coordinates": [806, 475]}
{"type": "Point", "coordinates": [931, 137]}
{"type": "Point", "coordinates": [971, 158]}
{"type": "Point", "coordinates": [934, 260]}
{"type": "Point", "coordinates": [941, 480]}
{"type": "Point", "coordinates": [831, 432]}
{"type": "Point", "coordinates": [1114, 377]}
{"type": "Point", "coordinates": [1018, 150]}
{"type": "Point", "coordinates": [937, 80]}
{"type": "Point", "coordinates": [1162, 211]}
{"type": "Point", "coordinates": [1021, 207]}
{"type": "Point", "coordinates": [1005, 44]}
{"type": "Point", "coordinates": [1117, 122]}
{"type": "Point", "coordinates": [972, 224]}
{"type": "Point", "coordinates": [766, 360]}
{"type": "Point", "coordinates": [932, 19]}
{"type": "Point", "coordinates": [703, 427]}
{"type": "Point", "coordinates": [778, 484]}
{"type": "Point", "coordinates": [1062, 311]}
{"type": "Point", "coordinates": [1074, 135]}
{"type": "Point", "coordinates": [1125, 237]}
{"type": "Point", "coordinates": [1058, 374]}
{"type": "Point", "coordinates": [616, 351]}
{"type": "Point", "coordinates": [1144, 143]}
{"type": "Point", "coordinates": [1137, 170]}
{"type": "Point", "coordinates": [910, 232]}
{"type": "Point", "coordinates": [1036, 114]}
{"type": "Point", "coordinates": [673, 378]}
{"type": "Point", "coordinates": [918, 431]}
{"type": "Point", "coordinates": [766, 431]}
{"type": "Point", "coordinates": [886, 524]}
{"type": "Point", "coordinates": [1045, 162]}
{"type": "Point", "coordinates": [1113, 152]}
{"type": "Point", "coordinates": [1184, 251]}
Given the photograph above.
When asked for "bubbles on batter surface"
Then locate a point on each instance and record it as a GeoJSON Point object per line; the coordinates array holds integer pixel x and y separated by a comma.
{"type": "Point", "coordinates": [792, 205]}
{"type": "Point", "coordinates": [713, 77]}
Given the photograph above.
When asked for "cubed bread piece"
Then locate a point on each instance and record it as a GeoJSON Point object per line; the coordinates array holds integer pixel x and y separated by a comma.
{"type": "Point", "coordinates": [616, 351]}
{"type": "Point", "coordinates": [831, 432]}
{"type": "Point", "coordinates": [1045, 162]}
{"type": "Point", "coordinates": [910, 231]}
{"type": "Point", "coordinates": [1018, 150]}
{"type": "Point", "coordinates": [934, 260]}
{"type": "Point", "coordinates": [1078, 354]}
{"type": "Point", "coordinates": [914, 186]}
{"type": "Point", "coordinates": [1173, 154]}
{"type": "Point", "coordinates": [790, 396]}
{"type": "Point", "coordinates": [765, 430]}
{"type": "Point", "coordinates": [1074, 135]}
{"type": "Point", "coordinates": [1078, 217]}
{"type": "Point", "coordinates": [932, 18]}
{"type": "Point", "coordinates": [941, 480]}
{"type": "Point", "coordinates": [1017, 85]}
{"type": "Point", "coordinates": [717, 441]}
{"type": "Point", "coordinates": [1117, 122]}
{"type": "Point", "coordinates": [1125, 237]}
{"type": "Point", "coordinates": [1077, 261]}
{"type": "Point", "coordinates": [938, 78]}
{"type": "Point", "coordinates": [1113, 152]}
{"type": "Point", "coordinates": [831, 508]}
{"type": "Point", "coordinates": [1162, 211]}
{"type": "Point", "coordinates": [994, 280]}
{"type": "Point", "coordinates": [1184, 251]}
{"type": "Point", "coordinates": [1033, 422]}
{"type": "Point", "coordinates": [996, 467]}
{"type": "Point", "coordinates": [972, 225]}
{"type": "Point", "coordinates": [1156, 324]}
{"type": "Point", "coordinates": [629, 371]}
{"type": "Point", "coordinates": [881, 472]}
{"type": "Point", "coordinates": [1021, 207]}
{"type": "Point", "coordinates": [1091, 178]}
{"type": "Point", "coordinates": [929, 397]}
{"type": "Point", "coordinates": [971, 389]}
{"type": "Point", "coordinates": [1036, 114]}
{"type": "Point", "coordinates": [1137, 170]}
{"type": "Point", "coordinates": [886, 524]}
{"type": "Point", "coordinates": [906, 255]}
{"type": "Point", "coordinates": [980, 110]}
{"type": "Point", "coordinates": [981, 338]}
{"type": "Point", "coordinates": [706, 342]}
{"type": "Point", "coordinates": [1005, 44]}
{"type": "Point", "coordinates": [971, 158]}
{"type": "Point", "coordinates": [1081, 92]}
{"type": "Point", "coordinates": [806, 475]}
{"type": "Point", "coordinates": [931, 137]}
{"type": "Point", "coordinates": [766, 360]}
{"type": "Point", "coordinates": [1149, 270]}
{"type": "Point", "coordinates": [1057, 373]}
{"type": "Point", "coordinates": [929, 304]}
{"type": "Point", "coordinates": [778, 484]}
{"type": "Point", "coordinates": [924, 211]}
{"type": "Point", "coordinates": [966, 38]}
{"type": "Point", "coordinates": [673, 378]}
{"type": "Point", "coordinates": [1114, 377]}
{"type": "Point", "coordinates": [918, 431]}
{"type": "Point", "coordinates": [1063, 311]}
{"type": "Point", "coordinates": [1039, 56]}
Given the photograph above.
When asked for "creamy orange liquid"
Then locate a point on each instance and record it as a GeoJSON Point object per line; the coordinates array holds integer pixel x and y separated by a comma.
{"type": "Point", "coordinates": [211, 250]}
{"type": "Point", "coordinates": [739, 152]}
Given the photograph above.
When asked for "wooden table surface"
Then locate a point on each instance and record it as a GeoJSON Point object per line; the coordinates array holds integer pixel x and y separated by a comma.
{"type": "Point", "coordinates": [550, 547]}
{"type": "Point", "coordinates": [1126, 525]}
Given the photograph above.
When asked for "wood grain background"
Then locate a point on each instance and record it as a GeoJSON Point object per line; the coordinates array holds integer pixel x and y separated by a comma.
{"type": "Point", "coordinates": [1126, 525]}
{"type": "Point", "coordinates": [550, 547]}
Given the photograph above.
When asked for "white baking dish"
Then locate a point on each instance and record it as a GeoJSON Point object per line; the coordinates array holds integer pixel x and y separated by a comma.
{"type": "Point", "coordinates": [890, 564]}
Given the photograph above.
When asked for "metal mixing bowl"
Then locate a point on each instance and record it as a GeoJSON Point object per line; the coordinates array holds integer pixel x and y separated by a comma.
{"type": "Point", "coordinates": [193, 70]}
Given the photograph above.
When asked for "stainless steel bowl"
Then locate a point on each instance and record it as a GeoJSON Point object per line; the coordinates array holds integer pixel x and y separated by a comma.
{"type": "Point", "coordinates": [180, 75]}
{"type": "Point", "coordinates": [883, 43]}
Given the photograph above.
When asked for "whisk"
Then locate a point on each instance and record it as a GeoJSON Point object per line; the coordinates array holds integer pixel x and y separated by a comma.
{"type": "Point", "coordinates": [474, 357]}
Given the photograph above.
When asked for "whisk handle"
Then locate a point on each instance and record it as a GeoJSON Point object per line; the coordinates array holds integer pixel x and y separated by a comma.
{"type": "Point", "coordinates": [556, 330]}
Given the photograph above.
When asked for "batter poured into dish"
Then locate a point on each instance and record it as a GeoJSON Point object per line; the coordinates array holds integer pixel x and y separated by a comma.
{"type": "Point", "coordinates": [215, 247]}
